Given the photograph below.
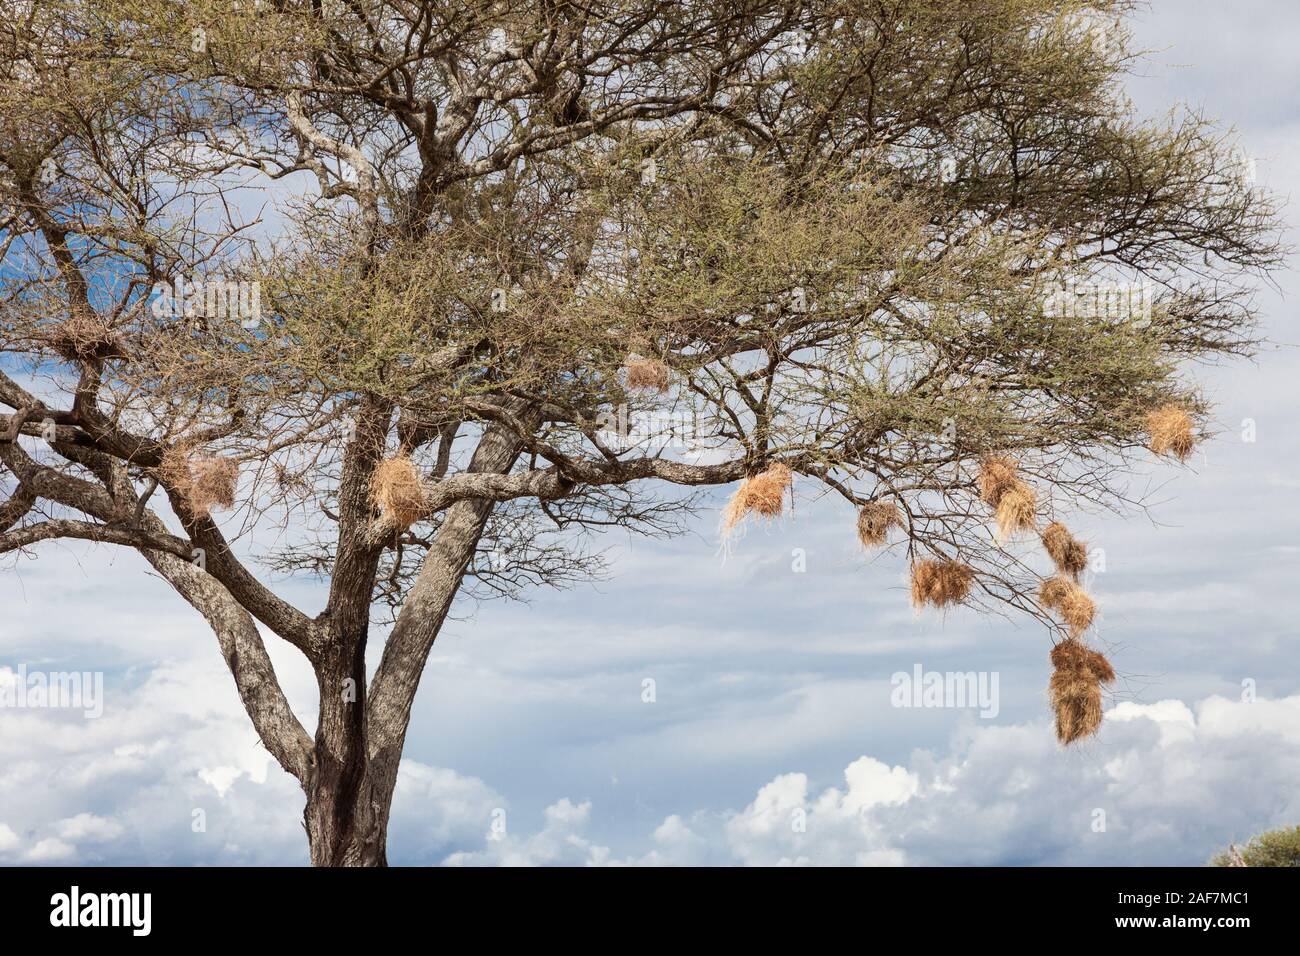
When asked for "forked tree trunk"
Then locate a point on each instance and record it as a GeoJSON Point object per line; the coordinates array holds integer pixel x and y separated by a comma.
{"type": "Point", "coordinates": [358, 746]}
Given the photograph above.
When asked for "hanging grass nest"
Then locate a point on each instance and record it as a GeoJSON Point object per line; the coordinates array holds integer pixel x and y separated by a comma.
{"type": "Point", "coordinates": [1078, 673]}
{"type": "Point", "coordinates": [940, 583]}
{"type": "Point", "coordinates": [1171, 429]}
{"type": "Point", "coordinates": [874, 521]}
{"type": "Point", "coordinates": [1017, 510]}
{"type": "Point", "coordinates": [762, 494]}
{"type": "Point", "coordinates": [650, 374]}
{"type": "Point", "coordinates": [396, 490]}
{"type": "Point", "coordinates": [998, 474]}
{"type": "Point", "coordinates": [1070, 601]}
{"type": "Point", "coordinates": [1015, 506]}
{"type": "Point", "coordinates": [1067, 552]}
{"type": "Point", "coordinates": [205, 482]}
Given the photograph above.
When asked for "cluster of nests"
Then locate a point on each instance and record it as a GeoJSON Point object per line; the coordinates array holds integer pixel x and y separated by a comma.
{"type": "Point", "coordinates": [1079, 671]}
{"type": "Point", "coordinates": [1015, 511]}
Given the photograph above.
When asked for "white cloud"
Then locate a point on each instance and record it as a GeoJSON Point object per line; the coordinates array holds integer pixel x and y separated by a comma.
{"type": "Point", "coordinates": [438, 811]}
{"type": "Point", "coordinates": [1161, 785]}
{"type": "Point", "coordinates": [176, 775]}
{"type": "Point", "coordinates": [8, 840]}
{"type": "Point", "coordinates": [561, 841]}
{"type": "Point", "coordinates": [1166, 779]}
{"type": "Point", "coordinates": [89, 828]}
{"type": "Point", "coordinates": [50, 850]}
{"type": "Point", "coordinates": [1174, 718]}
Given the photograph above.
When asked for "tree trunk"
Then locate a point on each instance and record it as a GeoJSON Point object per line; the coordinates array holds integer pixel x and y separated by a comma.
{"type": "Point", "coordinates": [347, 804]}
{"type": "Point", "coordinates": [346, 828]}
{"type": "Point", "coordinates": [359, 743]}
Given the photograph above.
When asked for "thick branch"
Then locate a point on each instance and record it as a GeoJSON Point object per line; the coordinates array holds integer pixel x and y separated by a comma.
{"type": "Point", "coordinates": [87, 531]}
{"type": "Point", "coordinates": [246, 656]}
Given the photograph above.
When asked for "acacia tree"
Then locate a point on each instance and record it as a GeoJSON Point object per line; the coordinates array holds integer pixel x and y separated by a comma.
{"type": "Point", "coordinates": [519, 238]}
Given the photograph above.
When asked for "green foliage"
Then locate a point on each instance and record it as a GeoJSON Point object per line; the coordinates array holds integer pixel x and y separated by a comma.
{"type": "Point", "coordinates": [1279, 847]}
{"type": "Point", "coordinates": [837, 227]}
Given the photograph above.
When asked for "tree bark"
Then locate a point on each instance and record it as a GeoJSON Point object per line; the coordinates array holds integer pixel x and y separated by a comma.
{"type": "Point", "coordinates": [362, 731]}
{"type": "Point", "coordinates": [346, 817]}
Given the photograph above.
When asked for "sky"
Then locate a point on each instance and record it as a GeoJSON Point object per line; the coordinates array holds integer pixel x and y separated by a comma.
{"type": "Point", "coordinates": [693, 709]}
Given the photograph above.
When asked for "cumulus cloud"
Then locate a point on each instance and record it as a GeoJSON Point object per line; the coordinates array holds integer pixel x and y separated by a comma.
{"type": "Point", "coordinates": [173, 773]}
{"type": "Point", "coordinates": [89, 828]}
{"type": "Point", "coordinates": [561, 841]}
{"type": "Point", "coordinates": [438, 812]}
{"type": "Point", "coordinates": [774, 829]}
{"type": "Point", "coordinates": [1165, 783]}
{"type": "Point", "coordinates": [1162, 785]}
{"type": "Point", "coordinates": [50, 850]}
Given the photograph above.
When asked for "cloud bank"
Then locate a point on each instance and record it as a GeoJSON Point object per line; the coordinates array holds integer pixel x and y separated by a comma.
{"type": "Point", "coordinates": [1165, 783]}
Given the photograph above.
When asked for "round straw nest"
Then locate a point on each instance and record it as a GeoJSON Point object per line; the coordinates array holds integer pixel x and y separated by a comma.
{"type": "Point", "coordinates": [940, 583]}
{"type": "Point", "coordinates": [396, 489]}
{"type": "Point", "coordinates": [1014, 502]}
{"type": "Point", "coordinates": [874, 521]}
{"type": "Point", "coordinates": [1078, 673]}
{"type": "Point", "coordinates": [762, 494]}
{"type": "Point", "coordinates": [1017, 510]}
{"type": "Point", "coordinates": [1171, 430]}
{"type": "Point", "coordinates": [1070, 601]}
{"type": "Point", "coordinates": [997, 475]}
{"type": "Point", "coordinates": [1067, 552]}
{"type": "Point", "coordinates": [650, 374]}
{"type": "Point", "coordinates": [204, 482]}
